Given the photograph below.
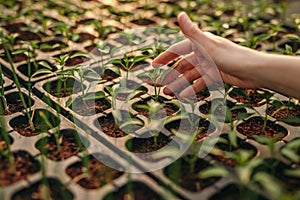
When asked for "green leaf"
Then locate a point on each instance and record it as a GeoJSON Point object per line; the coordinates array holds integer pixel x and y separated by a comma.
{"type": "Point", "coordinates": [233, 138]}
{"type": "Point", "coordinates": [215, 171]}
{"type": "Point", "coordinates": [291, 120]}
{"type": "Point", "coordinates": [42, 71]}
{"type": "Point", "coordinates": [290, 154]}
{"type": "Point", "coordinates": [70, 101]}
{"type": "Point", "coordinates": [269, 183]}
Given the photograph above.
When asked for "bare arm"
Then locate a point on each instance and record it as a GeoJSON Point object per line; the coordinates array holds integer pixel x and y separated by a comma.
{"type": "Point", "coordinates": [237, 65]}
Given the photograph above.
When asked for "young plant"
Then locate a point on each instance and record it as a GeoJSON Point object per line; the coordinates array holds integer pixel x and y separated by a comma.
{"type": "Point", "coordinates": [62, 74]}
{"type": "Point", "coordinates": [245, 176]}
{"type": "Point", "coordinates": [3, 101]}
{"type": "Point", "coordinates": [27, 108]}
{"type": "Point", "coordinates": [127, 63]}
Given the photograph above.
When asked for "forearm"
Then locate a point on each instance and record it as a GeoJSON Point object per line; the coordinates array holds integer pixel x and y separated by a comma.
{"type": "Point", "coordinates": [279, 73]}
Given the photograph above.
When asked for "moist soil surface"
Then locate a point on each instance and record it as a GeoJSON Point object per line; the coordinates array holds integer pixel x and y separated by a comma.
{"type": "Point", "coordinates": [90, 107]}
{"type": "Point", "coordinates": [220, 111]}
{"type": "Point", "coordinates": [241, 145]}
{"type": "Point", "coordinates": [98, 173]}
{"type": "Point", "coordinates": [109, 126]}
{"type": "Point", "coordinates": [284, 114]}
{"type": "Point", "coordinates": [24, 165]}
{"type": "Point", "coordinates": [69, 145]}
{"type": "Point", "coordinates": [147, 145]}
{"type": "Point", "coordinates": [168, 109]}
{"type": "Point", "coordinates": [36, 191]}
{"type": "Point", "coordinates": [185, 126]}
{"type": "Point", "coordinates": [133, 190]}
{"type": "Point", "coordinates": [254, 126]}
{"type": "Point", "coordinates": [252, 97]}
{"type": "Point", "coordinates": [184, 174]}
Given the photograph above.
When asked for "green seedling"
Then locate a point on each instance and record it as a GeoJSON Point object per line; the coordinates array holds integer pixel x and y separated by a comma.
{"type": "Point", "coordinates": [3, 101]}
{"type": "Point", "coordinates": [245, 176]}
{"type": "Point", "coordinates": [27, 108]}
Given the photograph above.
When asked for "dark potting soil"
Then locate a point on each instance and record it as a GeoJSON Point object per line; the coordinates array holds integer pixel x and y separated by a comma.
{"type": "Point", "coordinates": [133, 190]}
{"type": "Point", "coordinates": [36, 191]}
{"type": "Point", "coordinates": [254, 98]}
{"type": "Point", "coordinates": [14, 102]}
{"type": "Point", "coordinates": [254, 126]}
{"type": "Point", "coordinates": [22, 126]}
{"type": "Point", "coordinates": [220, 111]}
{"type": "Point", "coordinates": [99, 174]}
{"type": "Point", "coordinates": [84, 37]}
{"type": "Point", "coordinates": [56, 88]}
{"type": "Point", "coordinates": [15, 58]}
{"type": "Point", "coordinates": [182, 173]}
{"type": "Point", "coordinates": [109, 126]}
{"type": "Point", "coordinates": [235, 192]}
{"type": "Point", "coordinates": [241, 145]}
{"type": "Point", "coordinates": [284, 114]}
{"type": "Point", "coordinates": [24, 164]}
{"type": "Point", "coordinates": [185, 126]}
{"type": "Point", "coordinates": [168, 108]}
{"type": "Point", "coordinates": [147, 145]}
{"type": "Point", "coordinates": [89, 107]}
{"type": "Point", "coordinates": [69, 145]}
{"type": "Point", "coordinates": [278, 169]}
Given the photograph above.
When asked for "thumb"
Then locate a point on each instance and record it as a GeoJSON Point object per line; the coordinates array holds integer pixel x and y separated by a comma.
{"type": "Point", "coordinates": [190, 29]}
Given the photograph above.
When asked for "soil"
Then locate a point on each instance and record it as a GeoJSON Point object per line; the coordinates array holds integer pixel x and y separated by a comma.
{"type": "Point", "coordinates": [200, 96]}
{"type": "Point", "coordinates": [147, 145]}
{"type": "Point", "coordinates": [57, 190]}
{"type": "Point", "coordinates": [24, 69]}
{"type": "Point", "coordinates": [24, 163]}
{"type": "Point", "coordinates": [133, 190]}
{"type": "Point", "coordinates": [168, 109]}
{"type": "Point", "coordinates": [15, 58]}
{"type": "Point", "coordinates": [28, 36]}
{"type": "Point", "coordinates": [254, 98]}
{"type": "Point", "coordinates": [254, 126]}
{"type": "Point", "coordinates": [109, 127]}
{"type": "Point", "coordinates": [182, 173]}
{"type": "Point", "coordinates": [90, 107]}
{"type": "Point", "coordinates": [284, 114]}
{"type": "Point", "coordinates": [242, 145]}
{"type": "Point", "coordinates": [143, 22]}
{"type": "Point", "coordinates": [15, 104]}
{"type": "Point", "coordinates": [56, 88]}
{"type": "Point", "coordinates": [278, 169]}
{"type": "Point", "coordinates": [99, 174]}
{"type": "Point", "coordinates": [70, 145]}
{"type": "Point", "coordinates": [233, 191]}
{"type": "Point", "coordinates": [21, 124]}
{"type": "Point", "coordinates": [206, 109]}
{"type": "Point", "coordinates": [84, 37]}
{"type": "Point", "coordinates": [186, 126]}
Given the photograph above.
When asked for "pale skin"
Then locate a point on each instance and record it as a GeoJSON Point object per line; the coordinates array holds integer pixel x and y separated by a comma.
{"type": "Point", "coordinates": [235, 64]}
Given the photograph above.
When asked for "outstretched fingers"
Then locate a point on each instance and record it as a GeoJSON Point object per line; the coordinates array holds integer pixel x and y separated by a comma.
{"type": "Point", "coordinates": [173, 52]}
{"type": "Point", "coordinates": [185, 64]}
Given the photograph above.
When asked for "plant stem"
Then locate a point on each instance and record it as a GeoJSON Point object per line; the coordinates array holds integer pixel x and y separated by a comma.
{"type": "Point", "coordinates": [28, 113]}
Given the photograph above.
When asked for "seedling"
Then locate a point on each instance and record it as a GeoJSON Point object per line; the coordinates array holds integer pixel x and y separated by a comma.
{"type": "Point", "coordinates": [3, 101]}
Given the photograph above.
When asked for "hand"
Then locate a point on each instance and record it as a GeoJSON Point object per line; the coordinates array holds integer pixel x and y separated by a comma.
{"type": "Point", "coordinates": [206, 59]}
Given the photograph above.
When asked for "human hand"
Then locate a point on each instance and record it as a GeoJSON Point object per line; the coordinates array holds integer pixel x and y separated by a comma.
{"type": "Point", "coordinates": [206, 59]}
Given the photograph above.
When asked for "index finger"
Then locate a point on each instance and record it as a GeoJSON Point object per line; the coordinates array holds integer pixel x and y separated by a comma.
{"type": "Point", "coordinates": [173, 52]}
